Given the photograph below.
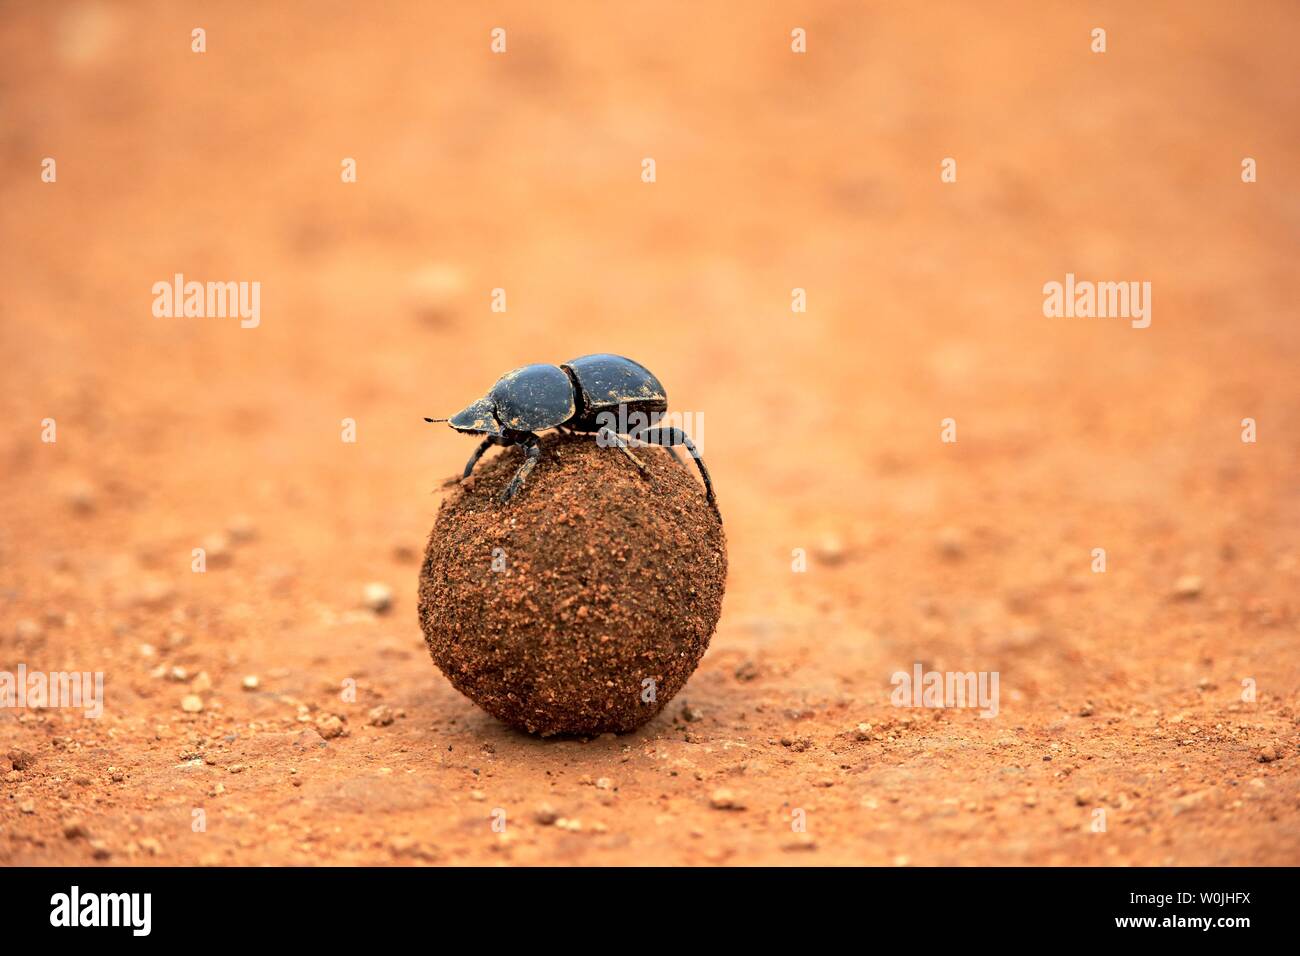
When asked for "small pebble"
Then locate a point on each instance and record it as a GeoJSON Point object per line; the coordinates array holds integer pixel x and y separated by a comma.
{"type": "Point", "coordinates": [377, 596]}
{"type": "Point", "coordinates": [1187, 587]}
{"type": "Point", "coordinates": [73, 828]}
{"type": "Point", "coordinates": [951, 542]}
{"type": "Point", "coordinates": [241, 528]}
{"type": "Point", "coordinates": [20, 759]}
{"type": "Point", "coordinates": [434, 290]}
{"type": "Point", "coordinates": [830, 550]}
{"type": "Point", "coordinates": [746, 672]}
{"type": "Point", "coordinates": [724, 799]}
{"type": "Point", "coordinates": [401, 845]}
{"type": "Point", "coordinates": [802, 841]}
{"type": "Point", "coordinates": [216, 548]}
{"type": "Point", "coordinates": [192, 703]}
{"type": "Point", "coordinates": [81, 498]}
{"type": "Point", "coordinates": [330, 726]}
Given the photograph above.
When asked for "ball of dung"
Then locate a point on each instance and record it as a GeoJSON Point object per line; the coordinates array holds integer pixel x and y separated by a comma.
{"type": "Point", "coordinates": [582, 605]}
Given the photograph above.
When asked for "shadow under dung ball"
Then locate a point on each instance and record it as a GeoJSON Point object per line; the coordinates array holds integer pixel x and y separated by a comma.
{"type": "Point", "coordinates": [584, 604]}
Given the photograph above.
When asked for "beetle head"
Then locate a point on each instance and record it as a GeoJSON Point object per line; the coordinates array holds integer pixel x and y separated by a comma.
{"type": "Point", "coordinates": [476, 419]}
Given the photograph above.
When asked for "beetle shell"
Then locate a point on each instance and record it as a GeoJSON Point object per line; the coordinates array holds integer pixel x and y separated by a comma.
{"type": "Point", "coordinates": [532, 398]}
{"type": "Point", "coordinates": [607, 381]}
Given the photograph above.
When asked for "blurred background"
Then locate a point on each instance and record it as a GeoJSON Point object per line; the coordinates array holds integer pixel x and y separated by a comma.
{"type": "Point", "coordinates": [775, 171]}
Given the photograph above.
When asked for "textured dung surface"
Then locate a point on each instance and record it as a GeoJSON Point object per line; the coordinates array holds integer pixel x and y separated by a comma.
{"type": "Point", "coordinates": [610, 580]}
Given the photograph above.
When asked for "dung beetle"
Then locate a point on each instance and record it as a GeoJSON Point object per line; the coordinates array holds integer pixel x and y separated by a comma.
{"type": "Point", "coordinates": [582, 395]}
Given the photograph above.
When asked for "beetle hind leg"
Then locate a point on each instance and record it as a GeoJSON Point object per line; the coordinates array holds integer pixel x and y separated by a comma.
{"type": "Point", "coordinates": [667, 437]}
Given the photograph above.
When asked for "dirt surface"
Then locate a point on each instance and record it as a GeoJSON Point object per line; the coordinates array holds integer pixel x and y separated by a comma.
{"type": "Point", "coordinates": [1120, 691]}
{"type": "Point", "coordinates": [584, 604]}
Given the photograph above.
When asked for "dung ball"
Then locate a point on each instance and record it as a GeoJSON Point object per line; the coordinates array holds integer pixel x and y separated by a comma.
{"type": "Point", "coordinates": [582, 605]}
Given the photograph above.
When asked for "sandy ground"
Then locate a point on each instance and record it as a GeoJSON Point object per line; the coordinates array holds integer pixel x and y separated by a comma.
{"type": "Point", "coordinates": [1120, 691]}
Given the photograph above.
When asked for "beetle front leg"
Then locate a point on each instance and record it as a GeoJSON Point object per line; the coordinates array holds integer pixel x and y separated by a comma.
{"type": "Point", "coordinates": [534, 451]}
{"type": "Point", "coordinates": [478, 453]}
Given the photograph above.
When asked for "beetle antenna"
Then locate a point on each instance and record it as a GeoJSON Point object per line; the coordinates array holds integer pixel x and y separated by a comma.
{"type": "Point", "coordinates": [435, 419]}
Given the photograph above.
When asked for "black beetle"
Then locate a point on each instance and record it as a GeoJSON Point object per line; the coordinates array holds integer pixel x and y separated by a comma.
{"type": "Point", "coordinates": [581, 396]}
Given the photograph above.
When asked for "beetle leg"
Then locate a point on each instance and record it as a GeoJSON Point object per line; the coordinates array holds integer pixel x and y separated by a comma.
{"type": "Point", "coordinates": [667, 437]}
{"type": "Point", "coordinates": [534, 451]}
{"type": "Point", "coordinates": [473, 459]}
{"type": "Point", "coordinates": [607, 437]}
